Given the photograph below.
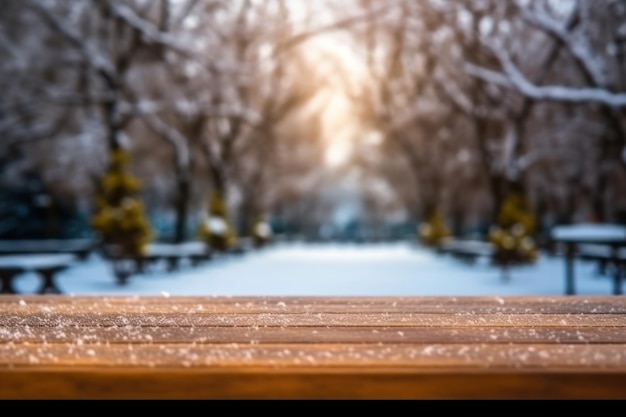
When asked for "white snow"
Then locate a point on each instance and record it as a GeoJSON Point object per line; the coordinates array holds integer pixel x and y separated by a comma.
{"type": "Point", "coordinates": [217, 225]}
{"type": "Point", "coordinates": [331, 270]}
{"type": "Point", "coordinates": [263, 229]}
{"type": "Point", "coordinates": [590, 231]}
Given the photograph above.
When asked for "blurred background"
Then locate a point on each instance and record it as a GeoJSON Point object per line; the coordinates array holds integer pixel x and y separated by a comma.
{"type": "Point", "coordinates": [137, 121]}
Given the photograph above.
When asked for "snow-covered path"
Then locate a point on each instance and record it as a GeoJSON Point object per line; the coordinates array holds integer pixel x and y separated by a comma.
{"type": "Point", "coordinates": [332, 270]}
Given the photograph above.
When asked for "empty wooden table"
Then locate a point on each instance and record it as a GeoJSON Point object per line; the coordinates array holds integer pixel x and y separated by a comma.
{"type": "Point", "coordinates": [610, 236]}
{"type": "Point", "coordinates": [69, 347]}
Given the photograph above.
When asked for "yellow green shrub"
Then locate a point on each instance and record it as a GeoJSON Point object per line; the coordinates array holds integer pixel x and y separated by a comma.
{"type": "Point", "coordinates": [513, 236]}
{"type": "Point", "coordinates": [120, 216]}
{"type": "Point", "coordinates": [434, 231]}
{"type": "Point", "coordinates": [216, 229]}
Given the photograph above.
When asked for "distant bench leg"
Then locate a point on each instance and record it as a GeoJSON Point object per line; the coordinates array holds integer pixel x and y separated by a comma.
{"type": "Point", "coordinates": [6, 281]}
{"type": "Point", "coordinates": [123, 268]}
{"type": "Point", "coordinates": [618, 276]}
{"type": "Point", "coordinates": [83, 255]}
{"type": "Point", "coordinates": [49, 286]}
{"type": "Point", "coordinates": [198, 259]}
{"type": "Point", "coordinates": [570, 254]}
{"type": "Point", "coordinates": [172, 263]}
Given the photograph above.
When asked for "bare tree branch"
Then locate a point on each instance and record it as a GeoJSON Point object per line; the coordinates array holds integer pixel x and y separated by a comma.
{"type": "Point", "coordinates": [513, 78]}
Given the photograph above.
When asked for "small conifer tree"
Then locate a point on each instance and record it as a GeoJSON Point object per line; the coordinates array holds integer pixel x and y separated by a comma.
{"type": "Point", "coordinates": [514, 236]}
{"type": "Point", "coordinates": [120, 218]}
{"type": "Point", "coordinates": [262, 231]}
{"type": "Point", "coordinates": [434, 231]}
{"type": "Point", "coordinates": [216, 230]}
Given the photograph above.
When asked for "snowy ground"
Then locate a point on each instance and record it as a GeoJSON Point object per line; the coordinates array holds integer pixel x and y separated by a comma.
{"type": "Point", "coordinates": [332, 270]}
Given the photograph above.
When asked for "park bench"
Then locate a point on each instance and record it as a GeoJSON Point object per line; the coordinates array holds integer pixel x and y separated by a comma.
{"type": "Point", "coordinates": [81, 248]}
{"type": "Point", "coordinates": [103, 347]}
{"type": "Point", "coordinates": [602, 243]}
{"type": "Point", "coordinates": [467, 250]}
{"type": "Point", "coordinates": [46, 266]}
{"type": "Point", "coordinates": [243, 246]}
{"type": "Point", "coordinates": [171, 254]}
{"type": "Point", "coordinates": [174, 254]}
{"type": "Point", "coordinates": [604, 255]}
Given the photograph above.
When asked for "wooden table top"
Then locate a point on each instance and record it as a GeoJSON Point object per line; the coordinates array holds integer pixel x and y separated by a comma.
{"type": "Point", "coordinates": [114, 347]}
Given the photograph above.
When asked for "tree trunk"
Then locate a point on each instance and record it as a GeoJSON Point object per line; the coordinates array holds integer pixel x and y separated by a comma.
{"type": "Point", "coordinates": [181, 207]}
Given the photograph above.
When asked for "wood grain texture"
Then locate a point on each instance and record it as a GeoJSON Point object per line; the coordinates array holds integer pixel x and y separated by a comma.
{"type": "Point", "coordinates": [67, 347]}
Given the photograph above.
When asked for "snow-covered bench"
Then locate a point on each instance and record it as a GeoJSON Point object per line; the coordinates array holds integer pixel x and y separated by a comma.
{"type": "Point", "coordinates": [194, 252]}
{"type": "Point", "coordinates": [602, 243]}
{"type": "Point", "coordinates": [604, 256]}
{"type": "Point", "coordinates": [601, 252]}
{"type": "Point", "coordinates": [46, 266]}
{"type": "Point", "coordinates": [81, 248]}
{"type": "Point", "coordinates": [467, 250]}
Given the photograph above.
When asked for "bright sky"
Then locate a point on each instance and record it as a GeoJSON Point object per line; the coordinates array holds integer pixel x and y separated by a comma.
{"type": "Point", "coordinates": [340, 118]}
{"type": "Point", "coordinates": [340, 122]}
{"type": "Point", "coordinates": [340, 128]}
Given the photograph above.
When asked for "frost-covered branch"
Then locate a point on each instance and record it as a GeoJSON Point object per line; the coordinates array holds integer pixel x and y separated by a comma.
{"type": "Point", "coordinates": [171, 135]}
{"type": "Point", "coordinates": [188, 108]}
{"type": "Point", "coordinates": [96, 60]}
{"type": "Point", "coordinates": [455, 96]}
{"type": "Point", "coordinates": [578, 46]}
{"type": "Point", "coordinates": [149, 31]}
{"type": "Point", "coordinates": [512, 77]}
{"type": "Point", "coordinates": [331, 27]}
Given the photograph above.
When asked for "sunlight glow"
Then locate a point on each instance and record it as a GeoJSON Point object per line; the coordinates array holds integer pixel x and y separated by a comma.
{"type": "Point", "coordinates": [340, 127]}
{"type": "Point", "coordinates": [345, 73]}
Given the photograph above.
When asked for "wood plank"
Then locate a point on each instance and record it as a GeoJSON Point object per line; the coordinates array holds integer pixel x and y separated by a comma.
{"type": "Point", "coordinates": [291, 334]}
{"type": "Point", "coordinates": [402, 357]}
{"type": "Point", "coordinates": [261, 320]}
{"type": "Point", "coordinates": [341, 383]}
{"type": "Point", "coordinates": [441, 304]}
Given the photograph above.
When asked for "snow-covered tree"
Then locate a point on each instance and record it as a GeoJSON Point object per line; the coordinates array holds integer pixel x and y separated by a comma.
{"type": "Point", "coordinates": [216, 228]}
